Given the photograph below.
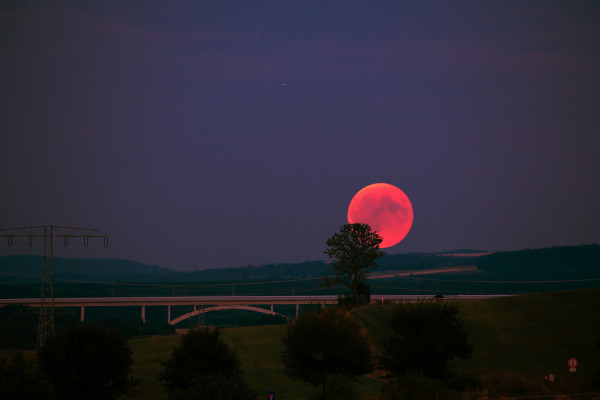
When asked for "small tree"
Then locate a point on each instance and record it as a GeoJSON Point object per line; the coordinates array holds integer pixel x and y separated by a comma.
{"type": "Point", "coordinates": [20, 378]}
{"type": "Point", "coordinates": [597, 374]}
{"type": "Point", "coordinates": [17, 327]}
{"type": "Point", "coordinates": [203, 366]}
{"type": "Point", "coordinates": [427, 335]}
{"type": "Point", "coordinates": [324, 345]}
{"type": "Point", "coordinates": [354, 252]}
{"type": "Point", "coordinates": [88, 362]}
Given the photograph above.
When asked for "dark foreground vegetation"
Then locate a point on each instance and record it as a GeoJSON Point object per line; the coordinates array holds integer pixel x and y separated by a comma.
{"type": "Point", "coordinates": [84, 361]}
{"type": "Point", "coordinates": [512, 346]}
{"type": "Point", "coordinates": [324, 348]}
{"type": "Point", "coordinates": [204, 367]}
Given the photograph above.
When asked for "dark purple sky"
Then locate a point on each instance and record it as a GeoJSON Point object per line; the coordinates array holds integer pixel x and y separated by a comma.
{"type": "Point", "coordinates": [225, 133]}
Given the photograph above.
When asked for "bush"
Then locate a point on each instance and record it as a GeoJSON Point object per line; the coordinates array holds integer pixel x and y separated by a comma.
{"type": "Point", "coordinates": [88, 362]}
{"type": "Point", "coordinates": [325, 346]}
{"type": "Point", "coordinates": [203, 366]}
{"type": "Point", "coordinates": [596, 381]}
{"type": "Point", "coordinates": [427, 336]}
{"type": "Point", "coordinates": [21, 378]}
{"type": "Point", "coordinates": [18, 327]}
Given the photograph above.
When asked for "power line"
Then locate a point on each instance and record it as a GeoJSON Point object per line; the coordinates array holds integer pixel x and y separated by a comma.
{"type": "Point", "coordinates": [508, 282]}
{"type": "Point", "coordinates": [170, 284]}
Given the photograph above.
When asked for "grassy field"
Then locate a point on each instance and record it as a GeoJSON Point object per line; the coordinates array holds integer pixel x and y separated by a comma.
{"type": "Point", "coordinates": [148, 354]}
{"type": "Point", "coordinates": [516, 341]}
{"type": "Point", "coordinates": [536, 333]}
{"type": "Point", "coordinates": [530, 336]}
{"type": "Point", "coordinates": [258, 349]}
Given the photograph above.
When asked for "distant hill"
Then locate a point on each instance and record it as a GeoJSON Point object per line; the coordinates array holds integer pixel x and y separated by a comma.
{"type": "Point", "coordinates": [574, 262]}
{"type": "Point", "coordinates": [26, 268]}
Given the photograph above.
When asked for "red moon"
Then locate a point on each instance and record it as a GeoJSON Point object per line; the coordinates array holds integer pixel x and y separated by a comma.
{"type": "Point", "coordinates": [386, 209]}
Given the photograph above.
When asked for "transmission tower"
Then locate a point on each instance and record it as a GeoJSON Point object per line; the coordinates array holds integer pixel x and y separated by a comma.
{"type": "Point", "coordinates": [49, 233]}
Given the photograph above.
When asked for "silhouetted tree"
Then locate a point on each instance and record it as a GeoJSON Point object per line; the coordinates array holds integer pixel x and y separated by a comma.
{"type": "Point", "coordinates": [21, 378]}
{"type": "Point", "coordinates": [321, 346]}
{"type": "Point", "coordinates": [203, 366]}
{"type": "Point", "coordinates": [87, 361]}
{"type": "Point", "coordinates": [427, 335]}
{"type": "Point", "coordinates": [353, 253]}
{"type": "Point", "coordinates": [597, 374]}
{"type": "Point", "coordinates": [18, 326]}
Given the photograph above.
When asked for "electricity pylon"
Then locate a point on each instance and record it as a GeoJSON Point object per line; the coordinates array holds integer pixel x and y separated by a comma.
{"type": "Point", "coordinates": [49, 233]}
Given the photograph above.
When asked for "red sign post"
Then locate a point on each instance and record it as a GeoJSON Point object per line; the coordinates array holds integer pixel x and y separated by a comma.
{"type": "Point", "coordinates": [572, 364]}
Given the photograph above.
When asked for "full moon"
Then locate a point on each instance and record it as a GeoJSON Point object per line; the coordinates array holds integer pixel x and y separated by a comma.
{"type": "Point", "coordinates": [386, 209]}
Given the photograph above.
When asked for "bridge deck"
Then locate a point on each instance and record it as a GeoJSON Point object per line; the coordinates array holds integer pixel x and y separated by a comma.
{"type": "Point", "coordinates": [219, 300]}
{"type": "Point", "coordinates": [216, 302]}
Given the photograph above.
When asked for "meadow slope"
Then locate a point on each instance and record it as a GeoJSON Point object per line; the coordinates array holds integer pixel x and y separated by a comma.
{"type": "Point", "coordinates": [516, 341]}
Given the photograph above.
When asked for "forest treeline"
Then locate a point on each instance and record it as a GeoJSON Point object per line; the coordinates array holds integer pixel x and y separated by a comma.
{"type": "Point", "coordinates": [576, 261]}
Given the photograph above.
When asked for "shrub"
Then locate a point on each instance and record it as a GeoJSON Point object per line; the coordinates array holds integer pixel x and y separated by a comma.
{"type": "Point", "coordinates": [88, 362]}
{"type": "Point", "coordinates": [427, 336]}
{"type": "Point", "coordinates": [325, 346]}
{"type": "Point", "coordinates": [22, 379]}
{"type": "Point", "coordinates": [203, 366]}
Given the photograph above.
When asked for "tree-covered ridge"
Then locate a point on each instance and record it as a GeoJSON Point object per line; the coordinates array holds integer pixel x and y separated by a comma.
{"type": "Point", "coordinates": [576, 261]}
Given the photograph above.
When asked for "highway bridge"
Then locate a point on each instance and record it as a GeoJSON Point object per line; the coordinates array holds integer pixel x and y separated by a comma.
{"type": "Point", "coordinates": [204, 304]}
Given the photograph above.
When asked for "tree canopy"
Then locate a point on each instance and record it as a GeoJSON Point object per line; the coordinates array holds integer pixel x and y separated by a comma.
{"type": "Point", "coordinates": [203, 366]}
{"type": "Point", "coordinates": [87, 361]}
{"type": "Point", "coordinates": [21, 378]}
{"type": "Point", "coordinates": [322, 345]}
{"type": "Point", "coordinates": [353, 252]}
{"type": "Point", "coordinates": [427, 335]}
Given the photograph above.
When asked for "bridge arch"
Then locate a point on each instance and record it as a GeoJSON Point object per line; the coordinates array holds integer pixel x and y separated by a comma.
{"type": "Point", "coordinates": [228, 307]}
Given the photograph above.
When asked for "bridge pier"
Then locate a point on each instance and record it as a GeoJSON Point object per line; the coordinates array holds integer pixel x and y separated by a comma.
{"type": "Point", "coordinates": [144, 314]}
{"type": "Point", "coordinates": [82, 313]}
{"type": "Point", "coordinates": [169, 314]}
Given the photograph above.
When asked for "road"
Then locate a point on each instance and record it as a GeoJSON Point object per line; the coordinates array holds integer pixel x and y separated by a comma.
{"type": "Point", "coordinates": [220, 300]}
{"type": "Point", "coordinates": [215, 302]}
{"type": "Point", "coordinates": [422, 272]}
